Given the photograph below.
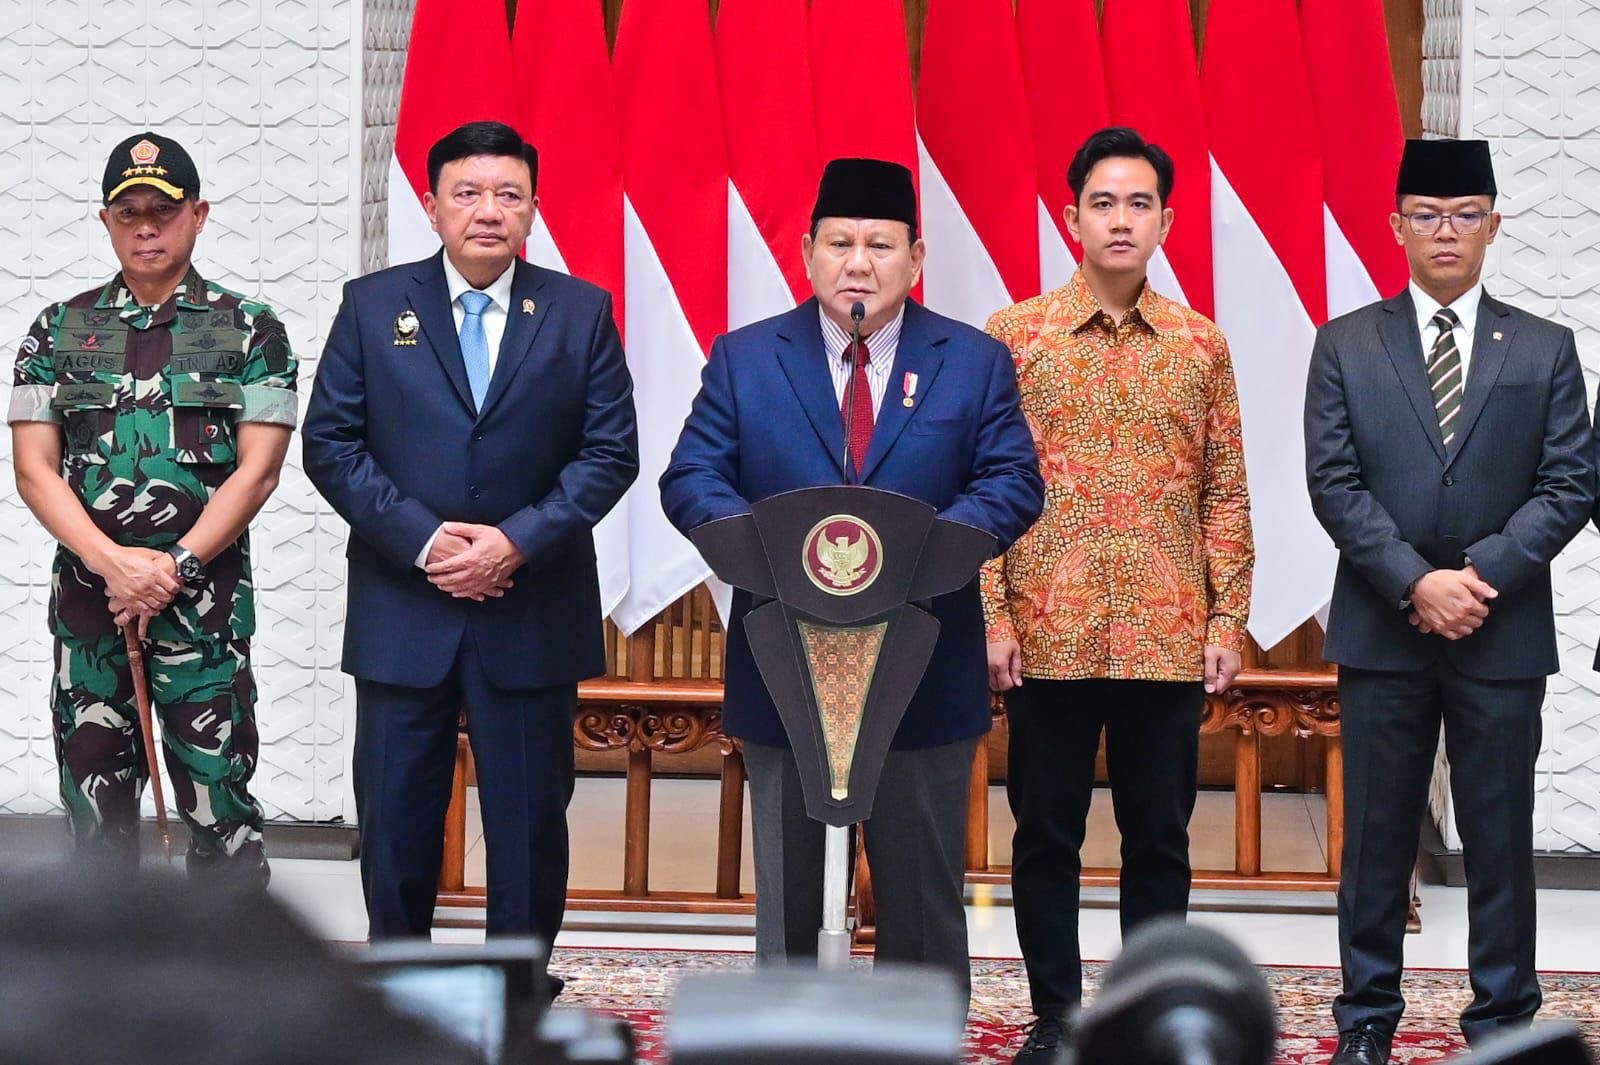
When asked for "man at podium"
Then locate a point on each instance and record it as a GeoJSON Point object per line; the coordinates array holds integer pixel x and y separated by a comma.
{"type": "Point", "coordinates": [932, 413]}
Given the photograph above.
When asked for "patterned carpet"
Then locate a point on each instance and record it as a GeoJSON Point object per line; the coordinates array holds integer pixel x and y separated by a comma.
{"type": "Point", "coordinates": [637, 985]}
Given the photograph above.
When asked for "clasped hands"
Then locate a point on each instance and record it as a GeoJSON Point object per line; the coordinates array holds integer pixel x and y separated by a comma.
{"type": "Point", "coordinates": [472, 561]}
{"type": "Point", "coordinates": [140, 583]}
{"type": "Point", "coordinates": [1451, 602]}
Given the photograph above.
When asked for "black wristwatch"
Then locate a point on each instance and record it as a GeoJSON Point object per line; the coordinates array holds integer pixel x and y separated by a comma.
{"type": "Point", "coordinates": [191, 571]}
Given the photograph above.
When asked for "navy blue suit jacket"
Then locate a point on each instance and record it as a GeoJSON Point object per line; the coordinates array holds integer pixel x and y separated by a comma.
{"type": "Point", "coordinates": [393, 442]}
{"type": "Point", "coordinates": [1515, 485]}
{"type": "Point", "coordinates": [767, 421]}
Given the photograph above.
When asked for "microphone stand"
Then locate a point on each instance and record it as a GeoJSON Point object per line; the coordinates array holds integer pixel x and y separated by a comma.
{"type": "Point", "coordinates": [858, 311]}
{"type": "Point", "coordinates": [833, 938]}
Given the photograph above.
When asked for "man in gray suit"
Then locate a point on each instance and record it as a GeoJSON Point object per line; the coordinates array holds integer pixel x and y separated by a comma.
{"type": "Point", "coordinates": [1448, 456]}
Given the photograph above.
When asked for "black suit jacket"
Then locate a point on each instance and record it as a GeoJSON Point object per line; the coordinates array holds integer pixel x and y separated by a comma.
{"type": "Point", "coordinates": [1516, 484]}
{"type": "Point", "coordinates": [393, 442]}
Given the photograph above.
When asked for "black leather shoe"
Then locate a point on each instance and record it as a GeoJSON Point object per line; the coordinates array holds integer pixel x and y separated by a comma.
{"type": "Point", "coordinates": [1364, 1046]}
{"type": "Point", "coordinates": [1046, 1038]}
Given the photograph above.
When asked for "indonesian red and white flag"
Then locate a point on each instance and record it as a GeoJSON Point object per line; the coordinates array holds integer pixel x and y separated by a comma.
{"type": "Point", "coordinates": [980, 194]}
{"type": "Point", "coordinates": [458, 70]}
{"type": "Point", "coordinates": [1154, 86]}
{"type": "Point", "coordinates": [1352, 83]}
{"type": "Point", "coordinates": [1067, 102]}
{"type": "Point", "coordinates": [861, 75]}
{"type": "Point", "coordinates": [675, 243]}
{"type": "Point", "coordinates": [770, 122]}
{"type": "Point", "coordinates": [560, 55]}
{"type": "Point", "coordinates": [1271, 287]}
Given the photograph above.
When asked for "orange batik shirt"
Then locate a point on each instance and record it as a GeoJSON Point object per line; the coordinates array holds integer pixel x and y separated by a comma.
{"type": "Point", "coordinates": [1143, 554]}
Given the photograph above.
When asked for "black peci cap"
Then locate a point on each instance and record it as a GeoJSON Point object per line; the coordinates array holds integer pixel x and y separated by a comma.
{"type": "Point", "coordinates": [866, 188]}
{"type": "Point", "coordinates": [1446, 168]}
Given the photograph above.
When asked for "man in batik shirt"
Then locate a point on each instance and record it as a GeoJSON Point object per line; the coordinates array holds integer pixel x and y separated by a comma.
{"type": "Point", "coordinates": [1126, 603]}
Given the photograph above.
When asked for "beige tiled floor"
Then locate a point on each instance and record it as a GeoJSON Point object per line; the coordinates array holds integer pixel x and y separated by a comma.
{"type": "Point", "coordinates": [683, 831]}
{"type": "Point", "coordinates": [1284, 929]}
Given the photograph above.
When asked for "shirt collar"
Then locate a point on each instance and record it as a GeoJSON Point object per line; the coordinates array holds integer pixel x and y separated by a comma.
{"type": "Point", "coordinates": [835, 338]}
{"type": "Point", "coordinates": [1082, 308]}
{"type": "Point", "coordinates": [1465, 306]}
{"type": "Point", "coordinates": [499, 290]}
{"type": "Point", "coordinates": [190, 295]}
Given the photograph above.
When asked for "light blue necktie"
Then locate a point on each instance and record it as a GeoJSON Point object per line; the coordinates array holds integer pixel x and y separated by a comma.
{"type": "Point", "coordinates": [475, 344]}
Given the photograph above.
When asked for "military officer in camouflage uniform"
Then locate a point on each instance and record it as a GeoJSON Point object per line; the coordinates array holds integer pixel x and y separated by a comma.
{"type": "Point", "coordinates": [149, 420]}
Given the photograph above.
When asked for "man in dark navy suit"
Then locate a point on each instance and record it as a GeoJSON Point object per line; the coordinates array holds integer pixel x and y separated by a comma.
{"type": "Point", "coordinates": [472, 419]}
{"type": "Point", "coordinates": [936, 416]}
{"type": "Point", "coordinates": [1448, 456]}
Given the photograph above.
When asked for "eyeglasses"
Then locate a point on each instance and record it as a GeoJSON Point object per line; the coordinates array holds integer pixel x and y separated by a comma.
{"type": "Point", "coordinates": [1427, 223]}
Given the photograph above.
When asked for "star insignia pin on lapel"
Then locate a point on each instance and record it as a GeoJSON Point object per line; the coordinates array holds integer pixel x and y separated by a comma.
{"type": "Point", "coordinates": [528, 307]}
{"type": "Point", "coordinates": [405, 329]}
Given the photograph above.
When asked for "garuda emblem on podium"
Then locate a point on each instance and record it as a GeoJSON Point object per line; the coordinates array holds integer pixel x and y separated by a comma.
{"type": "Point", "coordinates": [843, 555]}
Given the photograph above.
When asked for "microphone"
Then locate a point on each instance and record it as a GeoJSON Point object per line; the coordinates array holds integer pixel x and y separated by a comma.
{"type": "Point", "coordinates": [1180, 994]}
{"type": "Point", "coordinates": [858, 311]}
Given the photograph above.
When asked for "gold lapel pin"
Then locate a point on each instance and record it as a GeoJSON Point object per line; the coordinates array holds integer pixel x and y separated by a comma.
{"type": "Point", "coordinates": [528, 307]}
{"type": "Point", "coordinates": [405, 329]}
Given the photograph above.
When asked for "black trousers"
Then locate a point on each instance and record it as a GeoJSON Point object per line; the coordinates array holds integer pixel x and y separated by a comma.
{"type": "Point", "coordinates": [1390, 723]}
{"type": "Point", "coordinates": [916, 841]}
{"type": "Point", "coordinates": [1152, 733]}
{"type": "Point", "coordinates": [404, 759]}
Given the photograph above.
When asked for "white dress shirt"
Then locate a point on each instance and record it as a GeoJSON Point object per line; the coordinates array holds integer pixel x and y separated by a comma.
{"type": "Point", "coordinates": [881, 348]}
{"type": "Point", "coordinates": [494, 331]}
{"type": "Point", "coordinates": [1466, 308]}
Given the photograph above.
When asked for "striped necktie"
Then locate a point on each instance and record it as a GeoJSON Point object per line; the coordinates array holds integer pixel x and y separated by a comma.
{"type": "Point", "coordinates": [1444, 373]}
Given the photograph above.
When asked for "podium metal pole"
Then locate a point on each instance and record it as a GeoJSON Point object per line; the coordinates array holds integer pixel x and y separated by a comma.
{"type": "Point", "coordinates": [833, 940]}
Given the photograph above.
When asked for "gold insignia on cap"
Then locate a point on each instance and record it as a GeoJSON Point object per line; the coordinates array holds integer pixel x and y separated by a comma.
{"type": "Point", "coordinates": [405, 329]}
{"type": "Point", "coordinates": [528, 307]}
{"type": "Point", "coordinates": [144, 171]}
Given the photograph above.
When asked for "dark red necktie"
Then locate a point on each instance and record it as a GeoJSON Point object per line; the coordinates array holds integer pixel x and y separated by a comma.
{"type": "Point", "coordinates": [858, 417]}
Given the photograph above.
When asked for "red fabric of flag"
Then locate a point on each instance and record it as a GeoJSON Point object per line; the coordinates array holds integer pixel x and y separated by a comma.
{"type": "Point", "coordinates": [1153, 83]}
{"type": "Point", "coordinates": [764, 59]}
{"type": "Point", "coordinates": [560, 53]}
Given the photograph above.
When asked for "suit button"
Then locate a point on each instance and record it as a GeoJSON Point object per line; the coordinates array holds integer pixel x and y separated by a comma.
{"type": "Point", "coordinates": [477, 434]}
{"type": "Point", "coordinates": [473, 491]}
{"type": "Point", "coordinates": [1449, 480]}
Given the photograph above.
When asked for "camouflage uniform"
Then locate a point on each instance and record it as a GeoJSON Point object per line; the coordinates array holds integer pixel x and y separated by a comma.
{"type": "Point", "coordinates": [148, 399]}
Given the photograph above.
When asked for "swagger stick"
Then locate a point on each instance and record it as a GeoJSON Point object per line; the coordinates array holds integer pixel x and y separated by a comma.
{"type": "Point", "coordinates": [147, 728]}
